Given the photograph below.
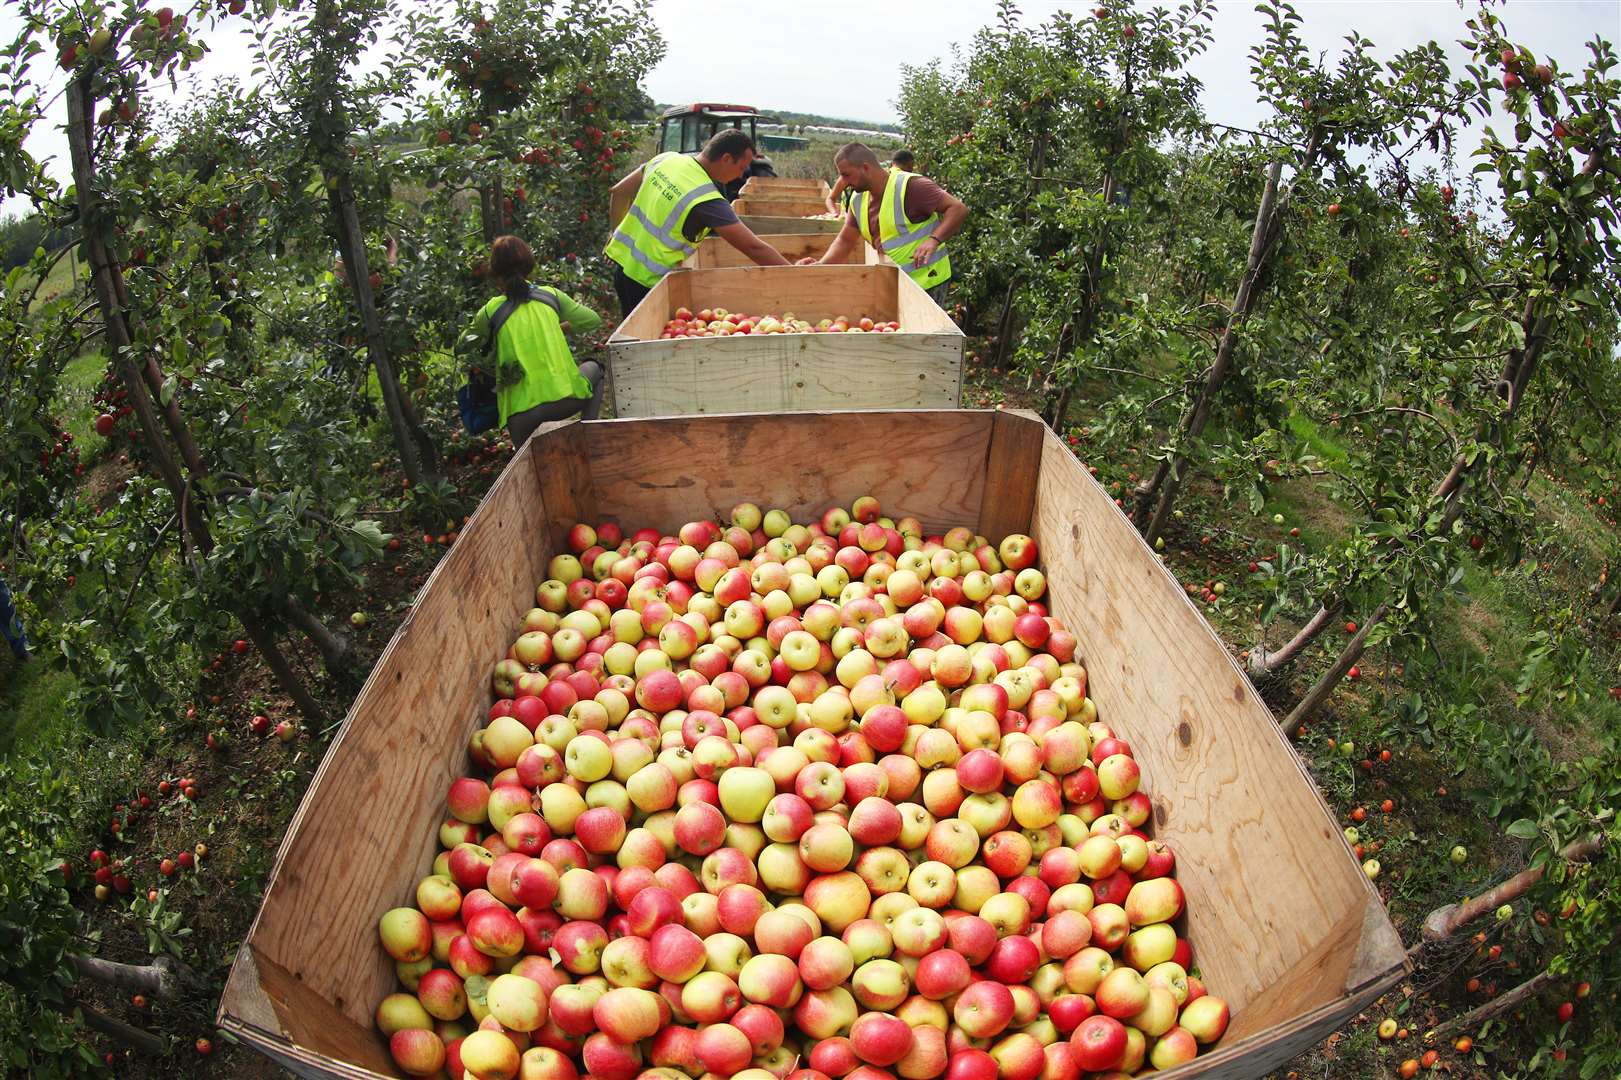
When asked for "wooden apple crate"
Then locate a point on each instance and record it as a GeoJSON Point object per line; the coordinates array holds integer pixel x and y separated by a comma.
{"type": "Point", "coordinates": [716, 254]}
{"type": "Point", "coordinates": [776, 186]}
{"type": "Point", "coordinates": [773, 224]}
{"type": "Point", "coordinates": [775, 205]}
{"type": "Point", "coordinates": [919, 367]}
{"type": "Point", "coordinates": [1284, 925]}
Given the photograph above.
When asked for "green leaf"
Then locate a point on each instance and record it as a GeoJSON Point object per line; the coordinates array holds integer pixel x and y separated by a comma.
{"type": "Point", "coordinates": [1523, 829]}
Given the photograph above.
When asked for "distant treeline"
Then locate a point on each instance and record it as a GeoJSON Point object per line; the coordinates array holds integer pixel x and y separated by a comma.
{"type": "Point", "coordinates": [20, 235]}
{"type": "Point", "coordinates": [795, 119]}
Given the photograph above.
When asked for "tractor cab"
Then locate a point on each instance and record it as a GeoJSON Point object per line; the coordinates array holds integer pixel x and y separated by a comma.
{"type": "Point", "coordinates": [686, 128]}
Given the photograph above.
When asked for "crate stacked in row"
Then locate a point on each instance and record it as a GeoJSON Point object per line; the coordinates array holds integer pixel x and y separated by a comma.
{"type": "Point", "coordinates": [912, 358]}
{"type": "Point", "coordinates": [773, 205]}
{"type": "Point", "coordinates": [1281, 916]}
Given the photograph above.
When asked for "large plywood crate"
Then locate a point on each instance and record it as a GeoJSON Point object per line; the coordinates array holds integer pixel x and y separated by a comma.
{"type": "Point", "coordinates": [776, 223]}
{"type": "Point", "coordinates": [785, 205]}
{"type": "Point", "coordinates": [916, 368]}
{"type": "Point", "coordinates": [716, 254]}
{"type": "Point", "coordinates": [774, 186]}
{"type": "Point", "coordinates": [1283, 922]}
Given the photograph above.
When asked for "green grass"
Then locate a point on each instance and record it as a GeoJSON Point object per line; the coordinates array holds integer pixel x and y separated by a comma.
{"type": "Point", "coordinates": [76, 408]}
{"type": "Point", "coordinates": [61, 278]}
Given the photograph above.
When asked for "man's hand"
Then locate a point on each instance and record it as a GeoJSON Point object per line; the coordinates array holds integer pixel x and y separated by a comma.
{"type": "Point", "coordinates": [925, 250]}
{"type": "Point", "coordinates": [809, 260]}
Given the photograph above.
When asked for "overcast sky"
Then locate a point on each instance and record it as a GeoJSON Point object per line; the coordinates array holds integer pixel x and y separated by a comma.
{"type": "Point", "coordinates": [839, 57]}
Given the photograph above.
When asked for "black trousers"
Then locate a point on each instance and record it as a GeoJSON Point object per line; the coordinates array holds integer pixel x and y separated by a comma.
{"type": "Point", "coordinates": [522, 425]}
{"type": "Point", "coordinates": [630, 292]}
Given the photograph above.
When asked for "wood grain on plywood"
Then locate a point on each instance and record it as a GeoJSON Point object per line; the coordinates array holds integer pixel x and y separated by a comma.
{"type": "Point", "coordinates": [1014, 461]}
{"type": "Point", "coordinates": [366, 830]}
{"type": "Point", "coordinates": [785, 373]}
{"type": "Point", "coordinates": [1264, 865]}
{"type": "Point", "coordinates": [762, 223]}
{"type": "Point", "coordinates": [664, 473]}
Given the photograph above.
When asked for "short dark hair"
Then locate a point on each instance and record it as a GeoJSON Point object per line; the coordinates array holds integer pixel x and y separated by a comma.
{"type": "Point", "coordinates": [732, 143]}
{"type": "Point", "coordinates": [856, 153]}
{"type": "Point", "coordinates": [904, 159]}
{"type": "Point", "coordinates": [511, 263]}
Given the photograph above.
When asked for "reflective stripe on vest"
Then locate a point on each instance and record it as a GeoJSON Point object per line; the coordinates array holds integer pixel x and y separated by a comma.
{"type": "Point", "coordinates": [897, 237]}
{"type": "Point", "coordinates": [649, 243]}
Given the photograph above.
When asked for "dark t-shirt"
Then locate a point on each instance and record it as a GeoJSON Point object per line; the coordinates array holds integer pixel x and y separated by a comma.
{"type": "Point", "coordinates": [923, 197]}
{"type": "Point", "coordinates": [713, 214]}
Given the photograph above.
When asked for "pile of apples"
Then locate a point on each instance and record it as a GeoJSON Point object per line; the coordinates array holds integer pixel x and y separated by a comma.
{"type": "Point", "coordinates": [795, 802]}
{"type": "Point", "coordinates": [718, 322]}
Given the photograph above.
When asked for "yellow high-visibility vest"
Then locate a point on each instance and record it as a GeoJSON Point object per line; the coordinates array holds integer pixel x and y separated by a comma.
{"type": "Point", "coordinates": [898, 235]}
{"type": "Point", "coordinates": [649, 242]}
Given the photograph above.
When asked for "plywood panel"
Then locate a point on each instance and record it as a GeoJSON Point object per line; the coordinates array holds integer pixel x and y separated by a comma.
{"type": "Point", "coordinates": [776, 223]}
{"type": "Point", "coordinates": [367, 827]}
{"type": "Point", "coordinates": [770, 186]}
{"type": "Point", "coordinates": [784, 205]}
{"type": "Point", "coordinates": [786, 373]}
{"type": "Point", "coordinates": [662, 473]}
{"type": "Point", "coordinates": [1014, 459]}
{"type": "Point", "coordinates": [716, 254]}
{"type": "Point", "coordinates": [1229, 793]}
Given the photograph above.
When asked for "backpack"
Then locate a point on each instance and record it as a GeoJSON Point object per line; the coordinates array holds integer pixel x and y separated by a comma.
{"type": "Point", "coordinates": [476, 398]}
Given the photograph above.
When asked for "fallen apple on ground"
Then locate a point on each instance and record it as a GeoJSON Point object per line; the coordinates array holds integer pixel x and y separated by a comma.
{"type": "Point", "coordinates": [759, 793]}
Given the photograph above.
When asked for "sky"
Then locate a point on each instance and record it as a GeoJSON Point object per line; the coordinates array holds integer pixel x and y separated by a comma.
{"type": "Point", "coordinates": [802, 54]}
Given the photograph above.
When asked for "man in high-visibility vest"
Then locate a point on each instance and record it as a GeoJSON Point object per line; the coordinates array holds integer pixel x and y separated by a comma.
{"type": "Point", "coordinates": [905, 216]}
{"type": "Point", "coordinates": [838, 200]}
{"type": "Point", "coordinates": [677, 203]}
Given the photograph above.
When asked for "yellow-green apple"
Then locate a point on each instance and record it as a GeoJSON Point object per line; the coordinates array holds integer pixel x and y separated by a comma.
{"type": "Point", "coordinates": [880, 984]}
{"type": "Point", "coordinates": [916, 822]}
{"type": "Point", "coordinates": [1158, 1016]}
{"type": "Point", "coordinates": [1076, 896]}
{"type": "Point", "coordinates": [625, 962]}
{"type": "Point", "coordinates": [1154, 901]}
{"type": "Point", "coordinates": [437, 897]}
{"type": "Point", "coordinates": [942, 974]}
{"type": "Point", "coordinates": [652, 788]}
{"type": "Point", "coordinates": [580, 895]}
{"type": "Point", "coordinates": [1008, 912]}
{"type": "Point", "coordinates": [868, 939]}
{"type": "Point", "coordinates": [698, 914]}
{"type": "Point", "coordinates": [985, 813]}
{"type": "Point", "coordinates": [1030, 583]}
{"type": "Point", "coordinates": [399, 1012]}
{"type": "Point", "coordinates": [1019, 1056]}
{"type": "Point", "coordinates": [932, 884]}
{"type": "Point", "coordinates": [1100, 856]}
{"type": "Point", "coordinates": [942, 791]}
{"type": "Point", "coordinates": [495, 932]}
{"type": "Point", "coordinates": [884, 870]}
{"type": "Point", "coordinates": [726, 953]}
{"type": "Point", "coordinates": [782, 870]}
{"type": "Point", "coordinates": [975, 886]}
{"type": "Point", "coordinates": [918, 932]}
{"type": "Point", "coordinates": [1170, 976]}
{"type": "Point", "coordinates": [1206, 1018]}
{"type": "Point", "coordinates": [1037, 804]}
{"type": "Point", "coordinates": [745, 793]}
{"type": "Point", "coordinates": [1099, 1044]}
{"type": "Point", "coordinates": [517, 1002]}
{"type": "Point", "coordinates": [1085, 971]}
{"type": "Point", "coordinates": [984, 1009]}
{"type": "Point", "coordinates": [628, 1014]}
{"type": "Point", "coordinates": [710, 996]}
{"type": "Point", "coordinates": [1118, 777]}
{"type": "Point", "coordinates": [1148, 946]}
{"type": "Point", "coordinates": [489, 1055]}
{"type": "Point", "coordinates": [889, 907]}
{"type": "Point", "coordinates": [561, 806]}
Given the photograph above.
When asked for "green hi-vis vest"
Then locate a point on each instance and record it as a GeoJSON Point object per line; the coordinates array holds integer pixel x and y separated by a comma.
{"type": "Point", "coordinates": [898, 237]}
{"type": "Point", "coordinates": [649, 243]}
{"type": "Point", "coordinates": [532, 341]}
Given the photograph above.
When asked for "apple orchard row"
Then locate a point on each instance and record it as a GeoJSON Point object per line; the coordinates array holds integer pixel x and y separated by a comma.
{"type": "Point", "coordinates": [776, 800]}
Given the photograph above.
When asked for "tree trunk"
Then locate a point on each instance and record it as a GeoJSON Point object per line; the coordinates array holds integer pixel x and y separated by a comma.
{"type": "Point", "coordinates": [1004, 326]}
{"type": "Point", "coordinates": [108, 282]}
{"type": "Point", "coordinates": [142, 1041]}
{"type": "Point", "coordinates": [1443, 922]}
{"type": "Point", "coordinates": [276, 660]}
{"type": "Point", "coordinates": [353, 243]}
{"type": "Point", "coordinates": [1331, 678]}
{"type": "Point", "coordinates": [162, 978]}
{"type": "Point", "coordinates": [1263, 662]}
{"type": "Point", "coordinates": [333, 646]}
{"type": "Point", "coordinates": [1615, 606]}
{"type": "Point", "coordinates": [1498, 1005]}
{"type": "Point", "coordinates": [1167, 480]}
